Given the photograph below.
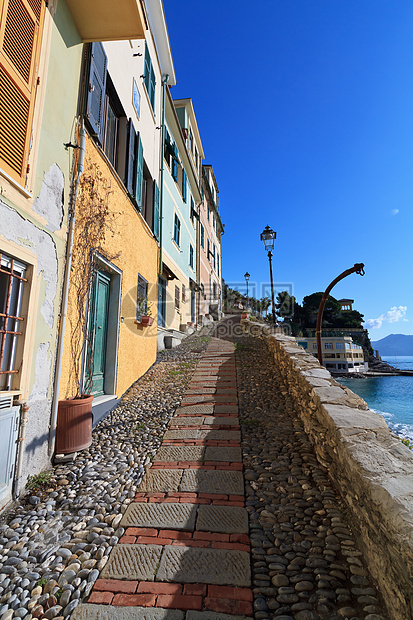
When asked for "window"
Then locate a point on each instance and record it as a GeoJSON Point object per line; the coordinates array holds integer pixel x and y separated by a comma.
{"type": "Point", "coordinates": [21, 30]}
{"type": "Point", "coordinates": [142, 297]}
{"type": "Point", "coordinates": [134, 165]}
{"type": "Point", "coordinates": [191, 256]}
{"type": "Point", "coordinates": [328, 345]}
{"type": "Point", "coordinates": [348, 345]}
{"type": "Point", "coordinates": [202, 237]}
{"type": "Point", "coordinates": [218, 263]}
{"type": "Point", "coordinates": [12, 281]}
{"type": "Point", "coordinates": [177, 304]}
{"type": "Point", "coordinates": [112, 123]}
{"type": "Point", "coordinates": [208, 249]}
{"type": "Point", "coordinates": [214, 290]}
{"type": "Point", "coordinates": [213, 254]}
{"type": "Point", "coordinates": [191, 141]}
{"type": "Point", "coordinates": [339, 345]}
{"type": "Point", "coordinates": [183, 293]}
{"type": "Point", "coordinates": [315, 346]}
{"type": "Point", "coordinates": [177, 230]}
{"type": "Point", "coordinates": [303, 344]}
{"type": "Point", "coordinates": [149, 78]}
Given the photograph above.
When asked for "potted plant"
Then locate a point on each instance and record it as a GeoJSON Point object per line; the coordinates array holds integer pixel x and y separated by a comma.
{"type": "Point", "coordinates": [145, 311]}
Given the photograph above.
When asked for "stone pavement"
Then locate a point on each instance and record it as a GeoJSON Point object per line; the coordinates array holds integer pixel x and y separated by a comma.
{"type": "Point", "coordinates": [186, 550]}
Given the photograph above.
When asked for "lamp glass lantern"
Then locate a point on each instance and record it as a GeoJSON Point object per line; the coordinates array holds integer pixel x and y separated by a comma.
{"type": "Point", "coordinates": [268, 235]}
{"type": "Point", "coordinates": [246, 276]}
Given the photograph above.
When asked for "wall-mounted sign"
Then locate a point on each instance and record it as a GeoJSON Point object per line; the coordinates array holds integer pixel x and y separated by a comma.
{"type": "Point", "coordinates": [136, 99]}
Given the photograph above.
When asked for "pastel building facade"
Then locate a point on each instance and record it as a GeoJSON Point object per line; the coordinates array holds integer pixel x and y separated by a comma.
{"type": "Point", "coordinates": [181, 196]}
{"type": "Point", "coordinates": [340, 353]}
{"type": "Point", "coordinates": [210, 231]}
{"type": "Point", "coordinates": [122, 92]}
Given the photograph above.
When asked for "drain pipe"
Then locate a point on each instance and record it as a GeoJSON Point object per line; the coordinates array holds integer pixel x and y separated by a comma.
{"type": "Point", "coordinates": [66, 279]}
{"type": "Point", "coordinates": [165, 80]}
{"type": "Point", "coordinates": [22, 436]}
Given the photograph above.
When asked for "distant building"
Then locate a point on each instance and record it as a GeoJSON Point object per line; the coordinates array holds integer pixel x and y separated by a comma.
{"type": "Point", "coordinates": [180, 198]}
{"type": "Point", "coordinates": [346, 304]}
{"type": "Point", "coordinates": [340, 353]}
{"type": "Point", "coordinates": [210, 251]}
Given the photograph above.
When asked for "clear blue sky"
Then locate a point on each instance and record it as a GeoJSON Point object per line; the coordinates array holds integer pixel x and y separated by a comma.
{"type": "Point", "coordinates": [305, 109]}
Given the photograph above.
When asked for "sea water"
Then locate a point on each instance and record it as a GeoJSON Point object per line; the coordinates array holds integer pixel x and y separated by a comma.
{"type": "Point", "coordinates": [392, 397]}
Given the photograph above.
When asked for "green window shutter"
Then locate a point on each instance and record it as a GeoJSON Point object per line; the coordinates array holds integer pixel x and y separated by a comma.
{"type": "Point", "coordinates": [139, 170]}
{"type": "Point", "coordinates": [175, 163]}
{"type": "Point", "coordinates": [156, 209]}
{"type": "Point", "coordinates": [130, 158]}
{"type": "Point", "coordinates": [147, 68]}
{"type": "Point", "coordinates": [96, 88]}
{"type": "Point", "coordinates": [149, 77]}
{"type": "Point", "coordinates": [152, 84]}
{"type": "Point", "coordinates": [184, 185]}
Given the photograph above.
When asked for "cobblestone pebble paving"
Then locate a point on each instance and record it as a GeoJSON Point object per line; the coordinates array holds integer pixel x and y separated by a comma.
{"type": "Point", "coordinates": [305, 561]}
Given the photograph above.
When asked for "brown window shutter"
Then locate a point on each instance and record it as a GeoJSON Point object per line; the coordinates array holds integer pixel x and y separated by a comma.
{"type": "Point", "coordinates": [21, 23]}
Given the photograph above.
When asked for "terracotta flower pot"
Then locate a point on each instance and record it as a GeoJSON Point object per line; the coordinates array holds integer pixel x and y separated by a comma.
{"type": "Point", "coordinates": [147, 320]}
{"type": "Point", "coordinates": [74, 425]}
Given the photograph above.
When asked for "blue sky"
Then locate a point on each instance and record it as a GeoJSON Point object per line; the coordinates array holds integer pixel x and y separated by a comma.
{"type": "Point", "coordinates": [305, 109]}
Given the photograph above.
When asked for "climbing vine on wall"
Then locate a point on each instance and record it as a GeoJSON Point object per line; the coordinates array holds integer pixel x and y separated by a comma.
{"type": "Point", "coordinates": [95, 221]}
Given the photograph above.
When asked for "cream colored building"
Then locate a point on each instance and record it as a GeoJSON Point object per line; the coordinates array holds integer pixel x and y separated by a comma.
{"type": "Point", "coordinates": [340, 353]}
{"type": "Point", "coordinates": [210, 250]}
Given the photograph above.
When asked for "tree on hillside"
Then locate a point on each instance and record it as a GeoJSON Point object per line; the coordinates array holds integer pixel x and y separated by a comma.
{"type": "Point", "coordinates": [310, 306]}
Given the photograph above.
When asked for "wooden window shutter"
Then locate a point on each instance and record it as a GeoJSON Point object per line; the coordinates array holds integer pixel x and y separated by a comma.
{"type": "Point", "coordinates": [139, 171]}
{"type": "Point", "coordinates": [152, 88]}
{"type": "Point", "coordinates": [175, 163]}
{"type": "Point", "coordinates": [183, 185]}
{"type": "Point", "coordinates": [156, 209]}
{"type": "Point", "coordinates": [96, 89]}
{"type": "Point", "coordinates": [21, 26]}
{"type": "Point", "coordinates": [130, 159]}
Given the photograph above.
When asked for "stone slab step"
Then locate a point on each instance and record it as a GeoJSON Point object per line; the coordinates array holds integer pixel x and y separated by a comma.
{"type": "Point", "coordinates": [193, 481]}
{"type": "Point", "coordinates": [194, 433]}
{"type": "Point", "coordinates": [187, 517]}
{"type": "Point", "coordinates": [178, 565]}
{"type": "Point", "coordinates": [178, 454]}
{"type": "Point", "coordinates": [164, 516]}
{"type": "Point", "coordinates": [104, 612]}
{"type": "Point", "coordinates": [213, 566]}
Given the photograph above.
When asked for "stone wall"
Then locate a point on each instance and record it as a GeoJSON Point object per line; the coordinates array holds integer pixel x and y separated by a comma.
{"type": "Point", "coordinates": [371, 467]}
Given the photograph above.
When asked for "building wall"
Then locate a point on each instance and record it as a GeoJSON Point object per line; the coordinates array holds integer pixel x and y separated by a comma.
{"type": "Point", "coordinates": [132, 249]}
{"type": "Point", "coordinates": [208, 273]}
{"type": "Point", "coordinates": [34, 223]}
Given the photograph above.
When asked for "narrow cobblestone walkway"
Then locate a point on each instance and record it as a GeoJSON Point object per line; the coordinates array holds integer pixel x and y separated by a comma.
{"type": "Point", "coordinates": [186, 546]}
{"type": "Point", "coordinates": [196, 548]}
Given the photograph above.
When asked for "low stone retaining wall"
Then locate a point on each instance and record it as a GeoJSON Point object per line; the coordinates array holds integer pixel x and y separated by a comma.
{"type": "Point", "coordinates": [371, 467]}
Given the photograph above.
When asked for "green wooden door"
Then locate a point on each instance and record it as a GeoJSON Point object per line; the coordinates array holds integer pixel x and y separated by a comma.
{"type": "Point", "coordinates": [99, 331]}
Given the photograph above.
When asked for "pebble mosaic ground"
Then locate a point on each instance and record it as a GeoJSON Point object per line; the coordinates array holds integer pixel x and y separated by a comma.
{"type": "Point", "coordinates": [175, 517]}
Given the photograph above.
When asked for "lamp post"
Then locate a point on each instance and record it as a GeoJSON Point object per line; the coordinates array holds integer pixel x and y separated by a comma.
{"type": "Point", "coordinates": [268, 236]}
{"type": "Point", "coordinates": [247, 277]}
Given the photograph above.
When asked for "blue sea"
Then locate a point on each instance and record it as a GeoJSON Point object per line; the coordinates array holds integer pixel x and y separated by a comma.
{"type": "Point", "coordinates": [392, 397]}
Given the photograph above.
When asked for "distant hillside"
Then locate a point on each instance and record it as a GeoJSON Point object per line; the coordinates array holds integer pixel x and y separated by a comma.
{"type": "Point", "coordinates": [395, 344]}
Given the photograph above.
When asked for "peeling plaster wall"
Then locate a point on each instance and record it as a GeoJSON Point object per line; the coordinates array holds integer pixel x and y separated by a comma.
{"type": "Point", "coordinates": [49, 203]}
{"type": "Point", "coordinates": [370, 466]}
{"type": "Point", "coordinates": [26, 234]}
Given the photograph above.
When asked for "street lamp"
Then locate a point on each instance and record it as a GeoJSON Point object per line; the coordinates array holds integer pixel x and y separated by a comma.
{"type": "Point", "coordinates": [268, 235]}
{"type": "Point", "coordinates": [247, 277]}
